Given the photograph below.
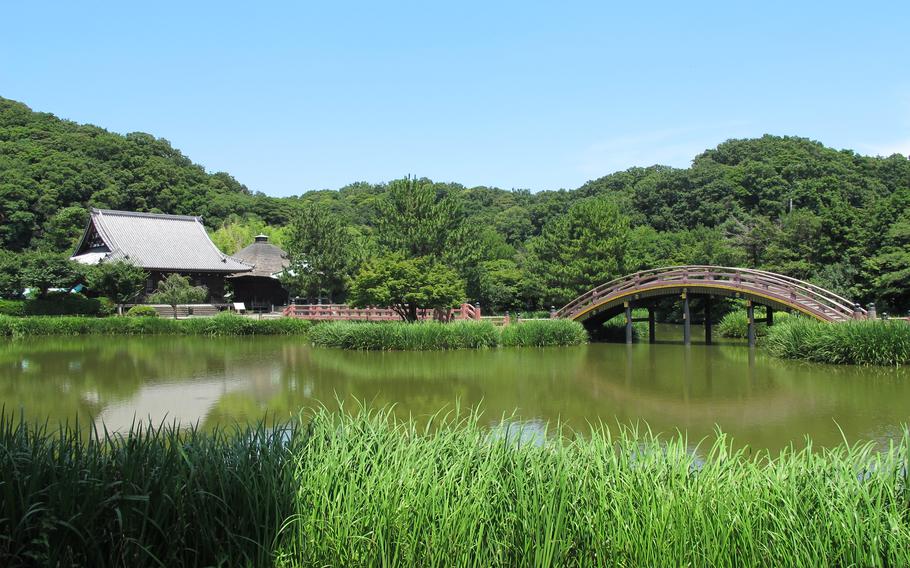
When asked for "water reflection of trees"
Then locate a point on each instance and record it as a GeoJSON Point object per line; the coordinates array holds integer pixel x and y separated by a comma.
{"type": "Point", "coordinates": [65, 378]}
{"type": "Point", "coordinates": [761, 400]}
{"type": "Point", "coordinates": [414, 383]}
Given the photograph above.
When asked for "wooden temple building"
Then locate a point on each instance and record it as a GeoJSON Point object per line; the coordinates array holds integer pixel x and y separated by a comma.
{"type": "Point", "coordinates": [260, 288]}
{"type": "Point", "coordinates": [160, 244]}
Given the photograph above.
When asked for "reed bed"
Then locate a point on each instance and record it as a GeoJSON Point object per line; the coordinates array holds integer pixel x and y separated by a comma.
{"type": "Point", "coordinates": [373, 491]}
{"type": "Point", "coordinates": [155, 496]}
{"type": "Point", "coordinates": [401, 336]}
{"type": "Point", "coordinates": [735, 324]}
{"type": "Point", "coordinates": [367, 489]}
{"type": "Point", "coordinates": [221, 325]}
{"type": "Point", "coordinates": [869, 342]}
{"type": "Point", "coordinates": [614, 329]}
{"type": "Point", "coordinates": [427, 336]}
{"type": "Point", "coordinates": [543, 333]}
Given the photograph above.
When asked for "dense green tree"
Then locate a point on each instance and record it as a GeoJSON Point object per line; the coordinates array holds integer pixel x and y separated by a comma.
{"type": "Point", "coordinates": [320, 251]}
{"type": "Point", "coordinates": [407, 285]}
{"type": "Point", "coordinates": [499, 285]}
{"type": "Point", "coordinates": [584, 248]}
{"type": "Point", "coordinates": [62, 231]}
{"type": "Point", "coordinates": [10, 274]}
{"type": "Point", "coordinates": [44, 271]}
{"type": "Point", "coordinates": [892, 265]}
{"type": "Point", "coordinates": [175, 290]}
{"type": "Point", "coordinates": [236, 233]}
{"type": "Point", "coordinates": [119, 281]}
{"type": "Point", "coordinates": [418, 219]}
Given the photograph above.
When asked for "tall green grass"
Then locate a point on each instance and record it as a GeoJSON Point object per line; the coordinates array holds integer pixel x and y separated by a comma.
{"type": "Point", "coordinates": [401, 336]}
{"type": "Point", "coordinates": [223, 324]}
{"type": "Point", "coordinates": [614, 329]}
{"type": "Point", "coordinates": [376, 492]}
{"type": "Point", "coordinates": [155, 496]}
{"type": "Point", "coordinates": [365, 489]}
{"type": "Point", "coordinates": [865, 342]}
{"type": "Point", "coordinates": [735, 324]}
{"type": "Point", "coordinates": [425, 336]}
{"type": "Point", "coordinates": [543, 333]}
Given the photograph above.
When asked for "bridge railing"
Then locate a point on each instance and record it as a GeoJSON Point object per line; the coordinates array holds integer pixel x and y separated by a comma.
{"type": "Point", "coordinates": [809, 296]}
{"type": "Point", "coordinates": [343, 312]}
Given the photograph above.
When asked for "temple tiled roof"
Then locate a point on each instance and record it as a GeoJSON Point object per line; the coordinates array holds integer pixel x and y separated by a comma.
{"type": "Point", "coordinates": [153, 241]}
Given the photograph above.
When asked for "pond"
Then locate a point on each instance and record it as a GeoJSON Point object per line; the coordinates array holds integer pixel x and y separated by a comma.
{"type": "Point", "coordinates": [760, 401]}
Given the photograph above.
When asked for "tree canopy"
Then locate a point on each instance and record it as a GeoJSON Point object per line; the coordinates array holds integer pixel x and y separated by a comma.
{"type": "Point", "coordinates": [407, 285]}
{"type": "Point", "coordinates": [780, 203]}
{"type": "Point", "coordinates": [175, 290]}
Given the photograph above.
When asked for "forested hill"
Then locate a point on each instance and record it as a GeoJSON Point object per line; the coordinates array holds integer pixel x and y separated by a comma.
{"type": "Point", "coordinates": [48, 164]}
{"type": "Point", "coordinates": [782, 203]}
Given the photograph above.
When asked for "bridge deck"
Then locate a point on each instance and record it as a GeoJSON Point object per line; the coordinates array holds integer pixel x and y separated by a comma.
{"type": "Point", "coordinates": [765, 287]}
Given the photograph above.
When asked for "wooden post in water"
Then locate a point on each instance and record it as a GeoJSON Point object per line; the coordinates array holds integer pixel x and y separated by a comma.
{"type": "Point", "coordinates": [750, 310]}
{"type": "Point", "coordinates": [707, 320]}
{"type": "Point", "coordinates": [687, 331]}
{"type": "Point", "coordinates": [628, 309]}
{"type": "Point", "coordinates": [652, 335]}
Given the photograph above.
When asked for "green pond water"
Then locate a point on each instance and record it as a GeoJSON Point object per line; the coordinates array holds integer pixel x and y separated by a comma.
{"type": "Point", "coordinates": [761, 401]}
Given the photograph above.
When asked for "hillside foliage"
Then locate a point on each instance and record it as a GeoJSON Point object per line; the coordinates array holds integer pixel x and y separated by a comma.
{"type": "Point", "coordinates": [785, 204]}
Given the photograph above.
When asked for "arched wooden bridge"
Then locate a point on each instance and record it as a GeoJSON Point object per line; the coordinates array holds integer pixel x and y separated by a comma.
{"type": "Point", "coordinates": [775, 291]}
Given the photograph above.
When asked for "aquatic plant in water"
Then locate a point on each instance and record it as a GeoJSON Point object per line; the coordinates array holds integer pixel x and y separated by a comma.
{"type": "Point", "coordinates": [863, 342]}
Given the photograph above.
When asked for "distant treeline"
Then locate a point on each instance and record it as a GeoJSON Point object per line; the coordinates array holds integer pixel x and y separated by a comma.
{"type": "Point", "coordinates": [785, 204]}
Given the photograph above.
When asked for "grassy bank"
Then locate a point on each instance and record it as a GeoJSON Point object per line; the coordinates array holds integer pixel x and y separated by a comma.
{"type": "Point", "coordinates": [369, 490]}
{"type": "Point", "coordinates": [223, 324]}
{"type": "Point", "coordinates": [428, 336]}
{"type": "Point", "coordinates": [849, 343]}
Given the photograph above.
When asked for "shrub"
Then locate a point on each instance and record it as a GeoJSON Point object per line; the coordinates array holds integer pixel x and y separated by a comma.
{"type": "Point", "coordinates": [543, 333]}
{"type": "Point", "coordinates": [62, 304]}
{"type": "Point", "coordinates": [106, 307]}
{"type": "Point", "coordinates": [869, 342]}
{"type": "Point", "coordinates": [142, 312]}
{"type": "Point", "coordinates": [12, 307]}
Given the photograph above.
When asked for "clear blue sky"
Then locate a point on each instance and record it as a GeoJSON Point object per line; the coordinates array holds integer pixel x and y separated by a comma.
{"type": "Point", "coordinates": [293, 97]}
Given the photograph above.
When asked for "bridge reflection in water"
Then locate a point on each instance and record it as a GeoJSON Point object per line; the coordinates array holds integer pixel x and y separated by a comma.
{"type": "Point", "coordinates": [757, 287]}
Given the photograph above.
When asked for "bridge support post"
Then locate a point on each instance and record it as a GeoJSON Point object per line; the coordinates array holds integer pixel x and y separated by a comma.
{"type": "Point", "coordinates": [769, 316]}
{"type": "Point", "coordinates": [708, 320]}
{"type": "Point", "coordinates": [652, 335]}
{"type": "Point", "coordinates": [687, 320]}
{"type": "Point", "coordinates": [750, 311]}
{"type": "Point", "coordinates": [628, 309]}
